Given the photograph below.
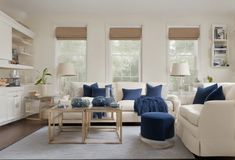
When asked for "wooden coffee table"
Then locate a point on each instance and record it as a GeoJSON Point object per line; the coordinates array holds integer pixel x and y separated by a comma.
{"type": "Point", "coordinates": [117, 129]}
{"type": "Point", "coordinates": [55, 125]}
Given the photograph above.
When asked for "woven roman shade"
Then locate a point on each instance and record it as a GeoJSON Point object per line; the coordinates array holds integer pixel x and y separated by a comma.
{"type": "Point", "coordinates": [125, 33]}
{"type": "Point", "coordinates": [71, 33]}
{"type": "Point", "coordinates": [184, 33]}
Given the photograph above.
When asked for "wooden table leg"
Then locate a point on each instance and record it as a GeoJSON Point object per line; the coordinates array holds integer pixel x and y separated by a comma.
{"type": "Point", "coordinates": [83, 127]}
{"type": "Point", "coordinates": [49, 127]}
{"type": "Point", "coordinates": [120, 122]}
{"type": "Point", "coordinates": [117, 121]}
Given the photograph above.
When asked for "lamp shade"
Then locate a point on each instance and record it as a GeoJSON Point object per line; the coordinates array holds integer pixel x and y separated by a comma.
{"type": "Point", "coordinates": [180, 69]}
{"type": "Point", "coordinates": [66, 69]}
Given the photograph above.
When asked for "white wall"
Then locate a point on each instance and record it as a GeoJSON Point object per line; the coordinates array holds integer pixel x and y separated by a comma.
{"type": "Point", "coordinates": [154, 49]}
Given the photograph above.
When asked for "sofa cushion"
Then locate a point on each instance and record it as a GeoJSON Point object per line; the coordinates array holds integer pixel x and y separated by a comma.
{"type": "Point", "coordinates": [127, 105]}
{"type": "Point", "coordinates": [153, 91]}
{"type": "Point", "coordinates": [98, 92]}
{"type": "Point", "coordinates": [87, 90]}
{"type": "Point", "coordinates": [131, 94]}
{"type": "Point", "coordinates": [202, 93]}
{"type": "Point", "coordinates": [216, 95]}
{"type": "Point", "coordinates": [76, 88]}
{"type": "Point", "coordinates": [191, 112]}
{"type": "Point", "coordinates": [127, 85]}
{"type": "Point", "coordinates": [102, 91]}
{"type": "Point", "coordinates": [164, 92]}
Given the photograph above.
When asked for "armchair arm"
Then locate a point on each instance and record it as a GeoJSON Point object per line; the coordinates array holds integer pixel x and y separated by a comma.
{"type": "Point", "coordinates": [217, 126]}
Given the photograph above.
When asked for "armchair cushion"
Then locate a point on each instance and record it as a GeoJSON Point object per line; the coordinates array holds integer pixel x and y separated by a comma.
{"type": "Point", "coordinates": [127, 105]}
{"type": "Point", "coordinates": [191, 112]}
{"type": "Point", "coordinates": [216, 95]}
{"type": "Point", "coordinates": [202, 94]}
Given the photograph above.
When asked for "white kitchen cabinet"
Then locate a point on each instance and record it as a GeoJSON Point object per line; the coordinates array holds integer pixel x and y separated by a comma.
{"type": "Point", "coordinates": [11, 108]}
{"type": "Point", "coordinates": [17, 37]}
{"type": "Point", "coordinates": [5, 41]}
{"type": "Point", "coordinates": [15, 107]}
{"type": "Point", "coordinates": [5, 103]}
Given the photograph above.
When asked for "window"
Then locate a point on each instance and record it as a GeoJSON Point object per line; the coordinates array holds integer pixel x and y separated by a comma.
{"type": "Point", "coordinates": [183, 47]}
{"type": "Point", "coordinates": [183, 51]}
{"type": "Point", "coordinates": [73, 51]}
{"type": "Point", "coordinates": [125, 60]}
{"type": "Point", "coordinates": [125, 46]}
{"type": "Point", "coordinates": [71, 48]}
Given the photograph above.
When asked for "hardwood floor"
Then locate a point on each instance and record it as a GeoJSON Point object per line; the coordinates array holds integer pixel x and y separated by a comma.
{"type": "Point", "coordinates": [15, 131]}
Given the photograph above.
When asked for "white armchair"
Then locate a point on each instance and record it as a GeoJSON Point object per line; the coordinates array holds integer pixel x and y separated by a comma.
{"type": "Point", "coordinates": [209, 129]}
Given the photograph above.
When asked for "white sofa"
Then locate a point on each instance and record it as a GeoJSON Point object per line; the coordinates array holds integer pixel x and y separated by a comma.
{"type": "Point", "coordinates": [209, 129]}
{"type": "Point", "coordinates": [128, 105]}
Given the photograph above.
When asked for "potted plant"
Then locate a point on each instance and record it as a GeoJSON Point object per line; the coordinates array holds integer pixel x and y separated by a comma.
{"type": "Point", "coordinates": [210, 79]}
{"type": "Point", "coordinates": [42, 81]}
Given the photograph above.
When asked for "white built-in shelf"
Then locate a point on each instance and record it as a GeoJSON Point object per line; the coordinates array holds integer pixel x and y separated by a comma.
{"type": "Point", "coordinates": [220, 40]}
{"type": "Point", "coordinates": [16, 25]}
{"type": "Point", "coordinates": [21, 41]}
{"type": "Point", "coordinates": [25, 54]}
{"type": "Point", "coordinates": [16, 66]}
{"type": "Point", "coordinates": [220, 49]}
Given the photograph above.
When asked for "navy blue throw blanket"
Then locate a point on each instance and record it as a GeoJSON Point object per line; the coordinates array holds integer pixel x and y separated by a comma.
{"type": "Point", "coordinates": [149, 104]}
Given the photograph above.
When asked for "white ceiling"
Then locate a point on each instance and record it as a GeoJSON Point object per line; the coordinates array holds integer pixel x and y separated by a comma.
{"type": "Point", "coordinates": [181, 7]}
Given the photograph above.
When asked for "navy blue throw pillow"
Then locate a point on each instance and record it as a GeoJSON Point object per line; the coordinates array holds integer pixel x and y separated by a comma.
{"type": "Point", "coordinates": [101, 91]}
{"type": "Point", "coordinates": [96, 92]}
{"type": "Point", "coordinates": [153, 91]}
{"type": "Point", "coordinates": [111, 89]}
{"type": "Point", "coordinates": [216, 95]}
{"type": "Point", "coordinates": [131, 94]}
{"type": "Point", "coordinates": [87, 90]}
{"type": "Point", "coordinates": [202, 94]}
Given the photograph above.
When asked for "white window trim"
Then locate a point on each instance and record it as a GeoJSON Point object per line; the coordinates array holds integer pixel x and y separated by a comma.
{"type": "Point", "coordinates": [108, 57]}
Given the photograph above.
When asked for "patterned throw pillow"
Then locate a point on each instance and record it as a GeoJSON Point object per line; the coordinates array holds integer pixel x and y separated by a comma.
{"type": "Point", "coordinates": [79, 102]}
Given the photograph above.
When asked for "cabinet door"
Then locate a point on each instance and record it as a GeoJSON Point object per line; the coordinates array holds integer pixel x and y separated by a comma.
{"type": "Point", "coordinates": [15, 107]}
{"type": "Point", "coordinates": [4, 108]}
{"type": "Point", "coordinates": [5, 41]}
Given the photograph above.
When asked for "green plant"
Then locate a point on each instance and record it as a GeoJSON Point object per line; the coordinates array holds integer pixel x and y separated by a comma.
{"type": "Point", "coordinates": [43, 77]}
{"type": "Point", "coordinates": [210, 79]}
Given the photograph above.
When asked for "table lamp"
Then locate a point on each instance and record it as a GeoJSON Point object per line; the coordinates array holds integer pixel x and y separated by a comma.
{"type": "Point", "coordinates": [65, 70]}
{"type": "Point", "coordinates": [180, 70]}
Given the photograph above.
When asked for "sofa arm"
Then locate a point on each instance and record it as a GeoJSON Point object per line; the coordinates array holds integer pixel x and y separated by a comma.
{"type": "Point", "coordinates": [216, 126]}
{"type": "Point", "coordinates": [175, 101]}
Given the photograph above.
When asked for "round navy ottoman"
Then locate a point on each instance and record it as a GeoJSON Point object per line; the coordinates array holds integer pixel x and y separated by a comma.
{"type": "Point", "coordinates": [157, 129]}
